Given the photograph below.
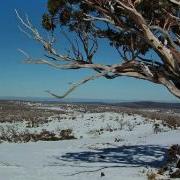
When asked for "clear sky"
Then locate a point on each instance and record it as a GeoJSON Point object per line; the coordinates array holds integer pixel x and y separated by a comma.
{"type": "Point", "coordinates": [21, 80]}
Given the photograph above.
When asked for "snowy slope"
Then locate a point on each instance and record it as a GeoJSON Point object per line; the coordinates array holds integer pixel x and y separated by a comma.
{"type": "Point", "coordinates": [121, 146]}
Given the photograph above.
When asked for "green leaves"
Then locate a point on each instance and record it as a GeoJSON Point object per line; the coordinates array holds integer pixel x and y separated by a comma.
{"type": "Point", "coordinates": [72, 14]}
{"type": "Point", "coordinates": [55, 5]}
{"type": "Point", "coordinates": [47, 22]}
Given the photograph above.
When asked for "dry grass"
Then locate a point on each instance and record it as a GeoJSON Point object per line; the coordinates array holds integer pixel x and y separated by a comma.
{"type": "Point", "coordinates": [151, 176]}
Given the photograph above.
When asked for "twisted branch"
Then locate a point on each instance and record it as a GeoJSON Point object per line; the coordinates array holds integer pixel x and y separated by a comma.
{"type": "Point", "coordinates": [160, 73]}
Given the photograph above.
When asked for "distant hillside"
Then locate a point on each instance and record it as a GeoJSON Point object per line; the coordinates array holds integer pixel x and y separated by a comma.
{"type": "Point", "coordinates": [135, 104]}
{"type": "Point", "coordinates": [148, 104]}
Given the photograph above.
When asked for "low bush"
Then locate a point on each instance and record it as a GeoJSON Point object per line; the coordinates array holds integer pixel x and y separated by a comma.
{"type": "Point", "coordinates": [171, 167]}
{"type": "Point", "coordinates": [12, 134]}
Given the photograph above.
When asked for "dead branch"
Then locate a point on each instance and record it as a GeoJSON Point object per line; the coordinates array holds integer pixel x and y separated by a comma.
{"type": "Point", "coordinates": [175, 2]}
{"type": "Point", "coordinates": [73, 87]}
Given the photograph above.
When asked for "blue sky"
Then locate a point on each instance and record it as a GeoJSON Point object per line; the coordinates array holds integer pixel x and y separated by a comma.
{"type": "Point", "coordinates": [18, 79]}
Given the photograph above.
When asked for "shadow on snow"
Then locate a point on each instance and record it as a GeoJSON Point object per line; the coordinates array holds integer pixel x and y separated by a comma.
{"type": "Point", "coordinates": [131, 156]}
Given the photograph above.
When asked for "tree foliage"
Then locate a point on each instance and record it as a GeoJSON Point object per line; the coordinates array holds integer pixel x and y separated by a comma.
{"type": "Point", "coordinates": [134, 28]}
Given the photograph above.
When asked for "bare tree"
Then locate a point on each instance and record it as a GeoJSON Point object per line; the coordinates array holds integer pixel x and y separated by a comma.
{"type": "Point", "coordinates": [134, 28]}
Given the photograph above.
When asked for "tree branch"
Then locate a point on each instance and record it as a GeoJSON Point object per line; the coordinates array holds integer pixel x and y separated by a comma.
{"type": "Point", "coordinates": [134, 66]}
{"type": "Point", "coordinates": [176, 2]}
{"type": "Point", "coordinates": [73, 87]}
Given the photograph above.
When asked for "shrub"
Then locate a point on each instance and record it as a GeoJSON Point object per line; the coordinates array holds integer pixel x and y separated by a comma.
{"type": "Point", "coordinates": [12, 134]}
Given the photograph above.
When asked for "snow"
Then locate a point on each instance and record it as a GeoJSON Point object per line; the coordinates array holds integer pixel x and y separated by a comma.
{"type": "Point", "coordinates": [51, 108]}
{"type": "Point", "coordinates": [136, 150]}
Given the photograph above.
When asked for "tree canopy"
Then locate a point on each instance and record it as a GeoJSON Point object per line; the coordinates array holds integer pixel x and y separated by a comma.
{"type": "Point", "coordinates": [134, 28]}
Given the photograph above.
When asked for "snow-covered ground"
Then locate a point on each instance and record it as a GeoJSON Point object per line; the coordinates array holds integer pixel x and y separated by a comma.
{"type": "Point", "coordinates": [119, 146]}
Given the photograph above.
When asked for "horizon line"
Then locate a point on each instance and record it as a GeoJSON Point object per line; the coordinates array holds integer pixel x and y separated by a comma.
{"type": "Point", "coordinates": [73, 99]}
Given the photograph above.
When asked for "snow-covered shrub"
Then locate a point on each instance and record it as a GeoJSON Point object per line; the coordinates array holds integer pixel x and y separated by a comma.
{"type": "Point", "coordinates": [130, 126]}
{"type": "Point", "coordinates": [156, 128]}
{"type": "Point", "coordinates": [109, 128]}
{"type": "Point", "coordinates": [122, 123]}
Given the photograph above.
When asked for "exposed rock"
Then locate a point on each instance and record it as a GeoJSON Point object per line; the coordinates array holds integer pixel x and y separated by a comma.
{"type": "Point", "coordinates": [102, 174]}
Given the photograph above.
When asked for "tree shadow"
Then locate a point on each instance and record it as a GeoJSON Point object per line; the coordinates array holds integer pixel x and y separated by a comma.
{"type": "Point", "coordinates": [131, 156]}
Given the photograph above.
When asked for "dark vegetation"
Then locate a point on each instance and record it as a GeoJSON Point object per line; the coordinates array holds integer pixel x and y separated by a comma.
{"type": "Point", "coordinates": [172, 165]}
{"type": "Point", "coordinates": [12, 134]}
{"type": "Point", "coordinates": [14, 111]}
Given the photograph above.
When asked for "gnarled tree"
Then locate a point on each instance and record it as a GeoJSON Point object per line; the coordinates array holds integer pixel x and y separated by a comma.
{"type": "Point", "coordinates": [134, 28]}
